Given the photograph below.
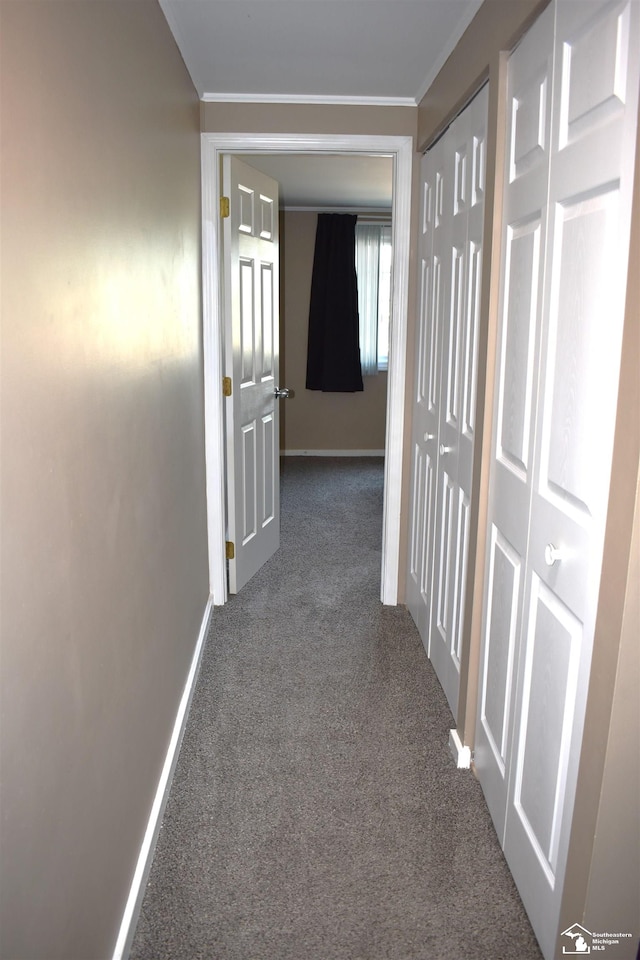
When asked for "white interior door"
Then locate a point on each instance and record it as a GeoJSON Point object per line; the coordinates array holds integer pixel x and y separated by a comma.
{"type": "Point", "coordinates": [251, 357]}
{"type": "Point", "coordinates": [523, 248]}
{"type": "Point", "coordinates": [462, 253]}
{"type": "Point", "coordinates": [426, 403]}
{"type": "Point", "coordinates": [567, 216]}
{"type": "Point", "coordinates": [453, 174]}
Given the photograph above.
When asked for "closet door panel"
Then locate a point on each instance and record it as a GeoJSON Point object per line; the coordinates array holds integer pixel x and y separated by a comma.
{"type": "Point", "coordinates": [452, 203]}
{"type": "Point", "coordinates": [594, 118]}
{"type": "Point", "coordinates": [581, 359]}
{"type": "Point", "coordinates": [428, 535]}
{"type": "Point", "coordinates": [463, 520]}
{"type": "Point", "coordinates": [523, 278]}
{"type": "Point", "coordinates": [503, 605]}
{"type": "Point", "coordinates": [553, 640]}
{"type": "Point", "coordinates": [524, 241]}
{"type": "Point", "coordinates": [443, 639]}
{"type": "Point", "coordinates": [476, 125]}
{"type": "Point", "coordinates": [420, 405]}
{"type": "Point", "coordinates": [594, 63]}
{"type": "Point", "coordinates": [475, 121]}
{"type": "Point", "coordinates": [417, 515]}
{"type": "Point", "coordinates": [464, 209]}
{"type": "Point", "coordinates": [427, 394]}
{"type": "Point", "coordinates": [524, 220]}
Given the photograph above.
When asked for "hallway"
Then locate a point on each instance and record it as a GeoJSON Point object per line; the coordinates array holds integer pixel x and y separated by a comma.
{"type": "Point", "coordinates": [316, 811]}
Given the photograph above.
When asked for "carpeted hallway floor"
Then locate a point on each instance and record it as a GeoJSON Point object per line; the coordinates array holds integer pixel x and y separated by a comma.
{"type": "Point", "coordinates": [316, 813]}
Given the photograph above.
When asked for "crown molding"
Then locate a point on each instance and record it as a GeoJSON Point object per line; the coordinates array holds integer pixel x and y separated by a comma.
{"type": "Point", "coordinates": [308, 99]}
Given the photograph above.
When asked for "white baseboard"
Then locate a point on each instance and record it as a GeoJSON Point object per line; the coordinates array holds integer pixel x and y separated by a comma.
{"type": "Point", "coordinates": [461, 754]}
{"type": "Point", "coordinates": [332, 453]}
{"type": "Point", "coordinates": [145, 857]}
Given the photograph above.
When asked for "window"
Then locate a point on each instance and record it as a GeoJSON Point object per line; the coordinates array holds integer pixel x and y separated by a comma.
{"type": "Point", "coordinates": [373, 267]}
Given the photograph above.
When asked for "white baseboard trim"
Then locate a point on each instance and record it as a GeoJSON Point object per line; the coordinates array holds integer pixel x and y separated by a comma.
{"type": "Point", "coordinates": [332, 453]}
{"type": "Point", "coordinates": [461, 754]}
{"type": "Point", "coordinates": [145, 857]}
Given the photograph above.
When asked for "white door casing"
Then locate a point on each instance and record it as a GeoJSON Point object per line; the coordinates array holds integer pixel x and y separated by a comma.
{"type": "Point", "coordinates": [446, 376]}
{"type": "Point", "coordinates": [250, 289]}
{"type": "Point", "coordinates": [573, 89]}
{"type": "Point", "coordinates": [214, 147]}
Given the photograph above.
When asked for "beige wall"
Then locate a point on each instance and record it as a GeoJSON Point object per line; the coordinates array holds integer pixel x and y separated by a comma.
{"type": "Point", "coordinates": [616, 906]}
{"type": "Point", "coordinates": [104, 565]}
{"type": "Point", "coordinates": [308, 118]}
{"type": "Point", "coordinates": [602, 873]}
{"type": "Point", "coordinates": [313, 420]}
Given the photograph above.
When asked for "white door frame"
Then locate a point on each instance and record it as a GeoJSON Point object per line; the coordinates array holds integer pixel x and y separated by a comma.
{"type": "Point", "coordinates": [400, 149]}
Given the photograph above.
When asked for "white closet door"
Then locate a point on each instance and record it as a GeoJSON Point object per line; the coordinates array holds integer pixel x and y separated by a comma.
{"type": "Point", "coordinates": [523, 249]}
{"type": "Point", "coordinates": [465, 150]}
{"type": "Point", "coordinates": [566, 231]}
{"type": "Point", "coordinates": [427, 390]}
{"type": "Point", "coordinates": [453, 174]}
{"type": "Point", "coordinates": [594, 113]}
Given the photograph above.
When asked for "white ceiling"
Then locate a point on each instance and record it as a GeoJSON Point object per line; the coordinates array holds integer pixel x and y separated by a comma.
{"type": "Point", "coordinates": [331, 51]}
{"type": "Point", "coordinates": [327, 50]}
{"type": "Point", "coordinates": [330, 182]}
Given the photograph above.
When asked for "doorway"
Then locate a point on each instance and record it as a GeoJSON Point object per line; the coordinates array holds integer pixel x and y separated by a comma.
{"type": "Point", "coordinates": [400, 150]}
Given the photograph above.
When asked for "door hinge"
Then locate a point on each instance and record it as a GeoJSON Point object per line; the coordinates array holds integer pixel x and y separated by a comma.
{"type": "Point", "coordinates": [229, 550]}
{"type": "Point", "coordinates": [226, 386]}
{"type": "Point", "coordinates": [224, 207]}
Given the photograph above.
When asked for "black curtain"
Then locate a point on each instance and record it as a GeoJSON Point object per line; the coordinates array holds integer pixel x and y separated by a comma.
{"type": "Point", "coordinates": [333, 350]}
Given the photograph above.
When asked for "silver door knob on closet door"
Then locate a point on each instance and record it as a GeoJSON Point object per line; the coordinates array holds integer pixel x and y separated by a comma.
{"type": "Point", "coordinates": [444, 449]}
{"type": "Point", "coordinates": [283, 393]}
{"type": "Point", "coordinates": [429, 436]}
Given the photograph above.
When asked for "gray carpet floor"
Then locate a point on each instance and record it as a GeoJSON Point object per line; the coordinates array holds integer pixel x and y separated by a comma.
{"type": "Point", "coordinates": [316, 811]}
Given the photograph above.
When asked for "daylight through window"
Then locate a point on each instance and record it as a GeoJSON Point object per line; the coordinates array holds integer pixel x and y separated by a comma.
{"type": "Point", "coordinates": [373, 267]}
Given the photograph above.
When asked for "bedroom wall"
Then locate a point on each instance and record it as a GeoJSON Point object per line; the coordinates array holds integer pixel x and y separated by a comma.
{"type": "Point", "coordinates": [313, 420]}
{"type": "Point", "coordinates": [104, 562]}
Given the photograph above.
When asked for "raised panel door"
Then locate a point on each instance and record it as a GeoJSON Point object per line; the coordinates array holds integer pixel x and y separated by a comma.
{"type": "Point", "coordinates": [596, 76]}
{"type": "Point", "coordinates": [461, 263]}
{"type": "Point", "coordinates": [250, 277]}
{"type": "Point", "coordinates": [529, 90]}
{"type": "Point", "coordinates": [427, 391]}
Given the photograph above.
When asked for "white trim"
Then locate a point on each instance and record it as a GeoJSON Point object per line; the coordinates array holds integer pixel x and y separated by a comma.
{"type": "Point", "coordinates": [460, 753]}
{"type": "Point", "coordinates": [310, 98]}
{"type": "Point", "coordinates": [213, 372]}
{"type": "Point", "coordinates": [145, 857]}
{"type": "Point", "coordinates": [214, 145]}
{"type": "Point", "coordinates": [397, 367]}
{"type": "Point", "coordinates": [361, 211]}
{"type": "Point", "coordinates": [332, 453]}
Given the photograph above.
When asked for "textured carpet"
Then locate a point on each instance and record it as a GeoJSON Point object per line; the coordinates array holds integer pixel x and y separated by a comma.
{"type": "Point", "coordinates": [316, 811]}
